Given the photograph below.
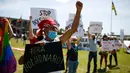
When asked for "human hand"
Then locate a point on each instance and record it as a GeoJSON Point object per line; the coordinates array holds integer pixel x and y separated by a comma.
{"type": "Point", "coordinates": [79, 6]}
{"type": "Point", "coordinates": [30, 18]}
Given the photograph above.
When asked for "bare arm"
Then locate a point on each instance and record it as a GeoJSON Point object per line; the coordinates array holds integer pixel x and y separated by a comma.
{"type": "Point", "coordinates": [78, 41]}
{"type": "Point", "coordinates": [75, 24]}
{"type": "Point", "coordinates": [31, 35]}
{"type": "Point", "coordinates": [10, 30]}
{"type": "Point", "coordinates": [89, 35]}
{"type": "Point", "coordinates": [68, 45]}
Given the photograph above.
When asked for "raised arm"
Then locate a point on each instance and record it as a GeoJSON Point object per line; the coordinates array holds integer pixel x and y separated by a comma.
{"type": "Point", "coordinates": [89, 35]}
{"type": "Point", "coordinates": [10, 30]}
{"type": "Point", "coordinates": [68, 45]}
{"type": "Point", "coordinates": [31, 35]}
{"type": "Point", "coordinates": [75, 24]}
{"type": "Point", "coordinates": [78, 40]}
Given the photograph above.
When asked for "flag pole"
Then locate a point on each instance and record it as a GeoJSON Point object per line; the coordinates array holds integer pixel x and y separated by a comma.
{"type": "Point", "coordinates": [111, 20]}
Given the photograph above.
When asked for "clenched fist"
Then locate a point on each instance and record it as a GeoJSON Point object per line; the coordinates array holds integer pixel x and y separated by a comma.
{"type": "Point", "coordinates": [79, 5]}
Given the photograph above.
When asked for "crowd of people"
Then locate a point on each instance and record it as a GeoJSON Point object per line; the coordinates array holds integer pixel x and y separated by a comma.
{"type": "Point", "coordinates": [72, 54]}
{"type": "Point", "coordinates": [47, 33]}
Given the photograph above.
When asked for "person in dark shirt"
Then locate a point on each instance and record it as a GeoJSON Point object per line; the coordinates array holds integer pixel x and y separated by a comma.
{"type": "Point", "coordinates": [72, 55]}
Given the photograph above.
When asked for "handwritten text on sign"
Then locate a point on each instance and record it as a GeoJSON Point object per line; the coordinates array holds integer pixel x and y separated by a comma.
{"type": "Point", "coordinates": [39, 14]}
{"type": "Point", "coordinates": [43, 59]}
{"type": "Point", "coordinates": [116, 44]}
{"type": "Point", "coordinates": [107, 45]}
{"type": "Point", "coordinates": [95, 27]}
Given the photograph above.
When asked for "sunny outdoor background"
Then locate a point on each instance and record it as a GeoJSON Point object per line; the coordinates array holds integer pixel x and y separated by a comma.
{"type": "Point", "coordinates": [123, 59]}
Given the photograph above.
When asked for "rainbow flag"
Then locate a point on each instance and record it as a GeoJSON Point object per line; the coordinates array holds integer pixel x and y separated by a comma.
{"type": "Point", "coordinates": [7, 59]}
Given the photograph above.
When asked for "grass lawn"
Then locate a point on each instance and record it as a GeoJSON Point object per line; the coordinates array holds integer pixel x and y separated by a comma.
{"type": "Point", "coordinates": [123, 60]}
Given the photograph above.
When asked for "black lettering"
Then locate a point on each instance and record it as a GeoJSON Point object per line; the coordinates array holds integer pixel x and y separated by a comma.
{"type": "Point", "coordinates": [35, 22]}
{"type": "Point", "coordinates": [40, 13]}
{"type": "Point", "coordinates": [49, 12]}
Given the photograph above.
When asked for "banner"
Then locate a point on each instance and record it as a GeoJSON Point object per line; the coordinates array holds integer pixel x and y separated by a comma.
{"type": "Point", "coordinates": [107, 45]}
{"type": "Point", "coordinates": [39, 14]}
{"type": "Point", "coordinates": [80, 32]}
{"type": "Point", "coordinates": [95, 27]}
{"type": "Point", "coordinates": [43, 59]}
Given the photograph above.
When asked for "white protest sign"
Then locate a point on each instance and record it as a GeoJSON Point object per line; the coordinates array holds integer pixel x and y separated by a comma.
{"type": "Point", "coordinates": [39, 14]}
{"type": "Point", "coordinates": [122, 34]}
{"type": "Point", "coordinates": [95, 27]}
{"type": "Point", "coordinates": [80, 31]}
{"type": "Point", "coordinates": [84, 43]}
{"type": "Point", "coordinates": [116, 44]}
{"type": "Point", "coordinates": [107, 45]}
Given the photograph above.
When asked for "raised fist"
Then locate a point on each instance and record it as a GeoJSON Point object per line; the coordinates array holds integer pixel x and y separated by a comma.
{"type": "Point", "coordinates": [79, 5]}
{"type": "Point", "coordinates": [30, 18]}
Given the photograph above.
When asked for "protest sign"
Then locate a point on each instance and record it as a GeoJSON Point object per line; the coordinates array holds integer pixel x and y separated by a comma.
{"type": "Point", "coordinates": [84, 43]}
{"type": "Point", "coordinates": [107, 45]}
{"type": "Point", "coordinates": [39, 14]}
{"type": "Point", "coordinates": [43, 59]}
{"type": "Point", "coordinates": [116, 44]}
{"type": "Point", "coordinates": [95, 27]}
{"type": "Point", "coordinates": [80, 31]}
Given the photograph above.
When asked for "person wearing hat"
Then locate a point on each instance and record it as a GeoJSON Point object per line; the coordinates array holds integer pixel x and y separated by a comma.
{"type": "Point", "coordinates": [50, 29]}
{"type": "Point", "coordinates": [39, 34]}
{"type": "Point", "coordinates": [72, 54]}
{"type": "Point", "coordinates": [92, 52]}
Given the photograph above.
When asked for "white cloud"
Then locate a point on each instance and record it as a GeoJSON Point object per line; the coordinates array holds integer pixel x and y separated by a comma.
{"type": "Point", "coordinates": [63, 1]}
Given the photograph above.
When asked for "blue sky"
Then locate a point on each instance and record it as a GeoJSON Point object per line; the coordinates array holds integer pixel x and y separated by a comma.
{"type": "Point", "coordinates": [93, 10]}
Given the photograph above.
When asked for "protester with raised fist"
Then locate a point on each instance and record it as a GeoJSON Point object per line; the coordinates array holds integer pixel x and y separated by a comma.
{"type": "Point", "coordinates": [50, 29]}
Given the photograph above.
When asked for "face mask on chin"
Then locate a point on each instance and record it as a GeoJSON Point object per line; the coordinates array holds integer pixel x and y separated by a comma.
{"type": "Point", "coordinates": [52, 34]}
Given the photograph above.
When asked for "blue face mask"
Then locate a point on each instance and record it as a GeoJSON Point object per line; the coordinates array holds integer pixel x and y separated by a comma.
{"type": "Point", "coordinates": [52, 34]}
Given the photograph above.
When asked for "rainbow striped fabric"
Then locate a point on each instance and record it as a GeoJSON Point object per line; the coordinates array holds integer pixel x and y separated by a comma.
{"type": "Point", "coordinates": [7, 58]}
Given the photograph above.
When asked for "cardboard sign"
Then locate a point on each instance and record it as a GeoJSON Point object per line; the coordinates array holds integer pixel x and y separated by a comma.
{"type": "Point", "coordinates": [116, 44]}
{"type": "Point", "coordinates": [39, 14]}
{"type": "Point", "coordinates": [80, 32]}
{"type": "Point", "coordinates": [95, 27]}
{"type": "Point", "coordinates": [43, 59]}
{"type": "Point", "coordinates": [107, 45]}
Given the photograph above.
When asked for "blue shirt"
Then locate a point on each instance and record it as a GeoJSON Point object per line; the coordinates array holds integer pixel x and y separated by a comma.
{"type": "Point", "coordinates": [93, 45]}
